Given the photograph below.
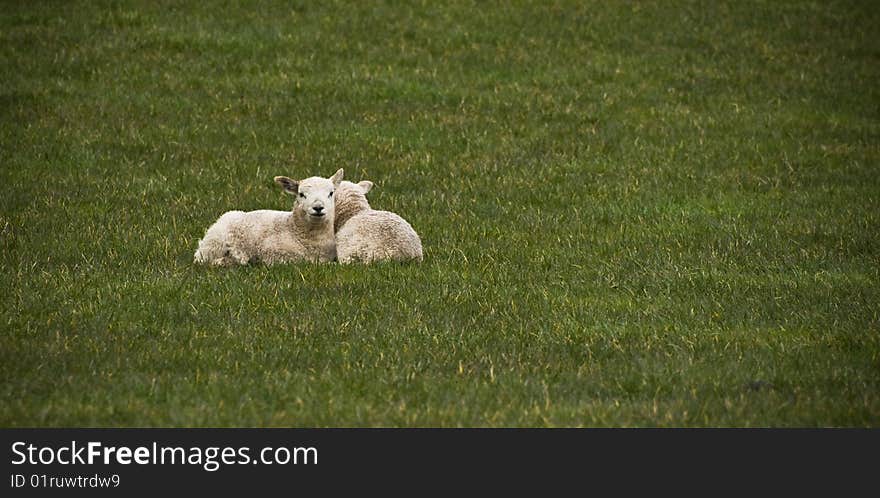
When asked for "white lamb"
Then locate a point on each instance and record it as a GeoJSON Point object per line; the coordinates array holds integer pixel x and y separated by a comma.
{"type": "Point", "coordinates": [267, 236]}
{"type": "Point", "coordinates": [366, 235]}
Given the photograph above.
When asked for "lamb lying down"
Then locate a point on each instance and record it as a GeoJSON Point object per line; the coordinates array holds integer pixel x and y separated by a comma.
{"type": "Point", "coordinates": [366, 235]}
{"type": "Point", "coordinates": [266, 236]}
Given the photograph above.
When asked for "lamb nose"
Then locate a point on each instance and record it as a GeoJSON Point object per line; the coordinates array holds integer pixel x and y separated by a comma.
{"type": "Point", "coordinates": [318, 209]}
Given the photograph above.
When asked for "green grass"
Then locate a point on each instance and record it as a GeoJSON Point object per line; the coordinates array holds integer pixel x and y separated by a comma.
{"type": "Point", "coordinates": [659, 213]}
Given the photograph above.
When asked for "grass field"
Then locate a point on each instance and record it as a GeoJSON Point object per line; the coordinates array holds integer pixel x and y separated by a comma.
{"type": "Point", "coordinates": [658, 213]}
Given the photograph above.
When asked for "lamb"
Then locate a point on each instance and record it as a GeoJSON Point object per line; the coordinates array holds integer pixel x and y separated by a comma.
{"type": "Point", "coordinates": [303, 234]}
{"type": "Point", "coordinates": [366, 235]}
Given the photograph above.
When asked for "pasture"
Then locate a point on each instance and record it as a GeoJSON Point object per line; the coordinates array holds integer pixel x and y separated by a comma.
{"type": "Point", "coordinates": [637, 214]}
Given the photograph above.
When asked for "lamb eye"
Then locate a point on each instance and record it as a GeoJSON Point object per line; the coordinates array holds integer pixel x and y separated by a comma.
{"type": "Point", "coordinates": [331, 194]}
{"type": "Point", "coordinates": [302, 195]}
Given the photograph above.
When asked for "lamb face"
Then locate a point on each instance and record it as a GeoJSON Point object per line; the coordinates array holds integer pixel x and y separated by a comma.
{"type": "Point", "coordinates": [314, 195]}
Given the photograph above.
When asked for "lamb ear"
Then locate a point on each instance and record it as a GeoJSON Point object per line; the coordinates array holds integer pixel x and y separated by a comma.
{"type": "Point", "coordinates": [289, 186]}
{"type": "Point", "coordinates": [337, 177]}
{"type": "Point", "coordinates": [366, 185]}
